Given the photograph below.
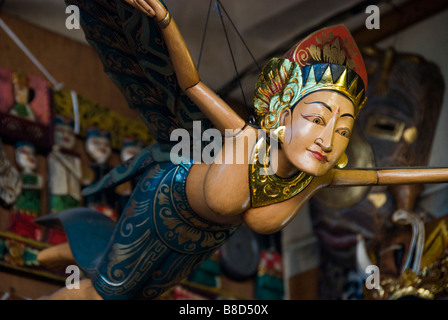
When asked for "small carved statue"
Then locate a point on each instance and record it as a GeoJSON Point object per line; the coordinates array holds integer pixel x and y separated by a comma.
{"type": "Point", "coordinates": [64, 168]}
{"type": "Point", "coordinates": [23, 95]}
{"type": "Point", "coordinates": [28, 205]}
{"type": "Point", "coordinates": [10, 181]}
{"type": "Point", "coordinates": [99, 149]}
{"type": "Point", "coordinates": [130, 149]}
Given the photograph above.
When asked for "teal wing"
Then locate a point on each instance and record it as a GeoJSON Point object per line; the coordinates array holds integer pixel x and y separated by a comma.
{"type": "Point", "coordinates": [133, 53]}
{"type": "Point", "coordinates": [134, 56]}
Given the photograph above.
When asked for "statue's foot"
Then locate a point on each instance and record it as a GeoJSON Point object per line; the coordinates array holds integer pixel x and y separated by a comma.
{"type": "Point", "coordinates": [86, 291]}
{"type": "Point", "coordinates": [56, 257]}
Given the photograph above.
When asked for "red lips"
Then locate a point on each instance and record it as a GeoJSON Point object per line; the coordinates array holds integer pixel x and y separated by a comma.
{"type": "Point", "coordinates": [319, 156]}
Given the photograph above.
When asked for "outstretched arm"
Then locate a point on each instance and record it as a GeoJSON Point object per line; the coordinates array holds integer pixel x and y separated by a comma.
{"type": "Point", "coordinates": [347, 177]}
{"type": "Point", "coordinates": [213, 107]}
{"type": "Point", "coordinates": [273, 218]}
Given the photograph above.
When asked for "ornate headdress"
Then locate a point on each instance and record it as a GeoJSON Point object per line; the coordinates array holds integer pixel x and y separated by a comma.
{"type": "Point", "coordinates": [61, 120]}
{"type": "Point", "coordinates": [96, 132]}
{"type": "Point", "coordinates": [328, 59]}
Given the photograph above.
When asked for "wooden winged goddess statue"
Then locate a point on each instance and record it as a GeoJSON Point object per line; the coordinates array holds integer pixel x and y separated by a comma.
{"type": "Point", "coordinates": [180, 213]}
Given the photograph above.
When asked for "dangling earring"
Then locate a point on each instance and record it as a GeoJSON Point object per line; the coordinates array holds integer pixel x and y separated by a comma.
{"type": "Point", "coordinates": [342, 161]}
{"type": "Point", "coordinates": [279, 134]}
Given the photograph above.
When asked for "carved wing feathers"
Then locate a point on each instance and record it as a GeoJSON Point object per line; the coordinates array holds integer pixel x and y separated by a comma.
{"type": "Point", "coordinates": [134, 56]}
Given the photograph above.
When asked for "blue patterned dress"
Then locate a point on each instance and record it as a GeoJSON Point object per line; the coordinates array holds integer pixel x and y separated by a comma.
{"type": "Point", "coordinates": [158, 240]}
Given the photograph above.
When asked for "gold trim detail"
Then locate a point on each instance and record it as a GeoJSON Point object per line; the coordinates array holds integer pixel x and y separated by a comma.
{"type": "Point", "coordinates": [435, 245]}
{"type": "Point", "coordinates": [165, 21]}
{"type": "Point", "coordinates": [430, 283]}
{"type": "Point", "coordinates": [266, 187]}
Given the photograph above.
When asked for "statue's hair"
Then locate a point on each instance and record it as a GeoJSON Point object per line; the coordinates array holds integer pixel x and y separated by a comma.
{"type": "Point", "coordinates": [275, 91]}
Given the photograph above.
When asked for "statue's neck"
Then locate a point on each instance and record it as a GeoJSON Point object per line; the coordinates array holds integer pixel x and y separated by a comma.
{"type": "Point", "coordinates": [284, 168]}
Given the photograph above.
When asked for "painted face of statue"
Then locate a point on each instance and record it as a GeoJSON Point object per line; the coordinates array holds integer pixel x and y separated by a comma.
{"type": "Point", "coordinates": [99, 148]}
{"type": "Point", "coordinates": [21, 93]}
{"type": "Point", "coordinates": [26, 158]}
{"type": "Point", "coordinates": [129, 151]}
{"type": "Point", "coordinates": [318, 131]}
{"type": "Point", "coordinates": [64, 136]}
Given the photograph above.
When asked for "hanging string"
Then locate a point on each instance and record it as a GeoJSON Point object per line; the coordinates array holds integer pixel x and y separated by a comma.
{"type": "Point", "coordinates": [240, 36]}
{"type": "Point", "coordinates": [218, 4]}
{"type": "Point", "coordinates": [203, 33]}
{"type": "Point", "coordinates": [28, 53]}
{"type": "Point", "coordinates": [56, 85]}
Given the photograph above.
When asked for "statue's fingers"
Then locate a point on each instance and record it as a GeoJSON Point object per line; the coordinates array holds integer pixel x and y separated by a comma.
{"type": "Point", "coordinates": [145, 7]}
{"type": "Point", "coordinates": [131, 2]}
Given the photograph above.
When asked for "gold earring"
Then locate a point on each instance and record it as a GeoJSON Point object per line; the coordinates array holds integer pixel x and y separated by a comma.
{"type": "Point", "coordinates": [279, 134]}
{"type": "Point", "coordinates": [342, 161]}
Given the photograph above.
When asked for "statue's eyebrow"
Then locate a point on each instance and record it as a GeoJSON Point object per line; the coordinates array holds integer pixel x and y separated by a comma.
{"type": "Point", "coordinates": [322, 103]}
{"type": "Point", "coordinates": [329, 108]}
{"type": "Point", "coordinates": [348, 115]}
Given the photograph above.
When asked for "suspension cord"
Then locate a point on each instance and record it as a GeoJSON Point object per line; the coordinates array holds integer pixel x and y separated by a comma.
{"type": "Point", "coordinates": [240, 36]}
{"type": "Point", "coordinates": [220, 6]}
{"type": "Point", "coordinates": [231, 51]}
{"type": "Point", "coordinates": [203, 33]}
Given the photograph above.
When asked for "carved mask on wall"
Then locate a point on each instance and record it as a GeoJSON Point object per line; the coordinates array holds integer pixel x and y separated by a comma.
{"type": "Point", "coordinates": [396, 128]}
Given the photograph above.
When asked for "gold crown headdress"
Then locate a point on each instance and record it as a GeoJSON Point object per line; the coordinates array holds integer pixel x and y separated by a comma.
{"type": "Point", "coordinates": [326, 60]}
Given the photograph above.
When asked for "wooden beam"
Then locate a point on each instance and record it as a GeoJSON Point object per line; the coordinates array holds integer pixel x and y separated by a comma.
{"type": "Point", "coordinates": [399, 19]}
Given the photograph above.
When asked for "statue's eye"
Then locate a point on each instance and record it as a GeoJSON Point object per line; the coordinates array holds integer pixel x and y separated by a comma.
{"type": "Point", "coordinates": [314, 119]}
{"type": "Point", "coordinates": [344, 132]}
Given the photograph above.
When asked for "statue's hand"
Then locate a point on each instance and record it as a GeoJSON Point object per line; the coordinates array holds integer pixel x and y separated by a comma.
{"type": "Point", "coordinates": [152, 8]}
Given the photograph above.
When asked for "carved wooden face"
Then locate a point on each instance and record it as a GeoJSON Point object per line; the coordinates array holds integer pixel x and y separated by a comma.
{"type": "Point", "coordinates": [318, 131]}
{"type": "Point", "coordinates": [26, 158]}
{"type": "Point", "coordinates": [99, 149]}
{"type": "Point", "coordinates": [64, 136]}
{"type": "Point", "coordinates": [129, 151]}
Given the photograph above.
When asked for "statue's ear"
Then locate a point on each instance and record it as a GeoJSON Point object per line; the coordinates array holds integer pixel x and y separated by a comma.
{"type": "Point", "coordinates": [286, 116]}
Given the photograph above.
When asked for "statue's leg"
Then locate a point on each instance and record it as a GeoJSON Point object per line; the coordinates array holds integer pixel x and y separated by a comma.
{"type": "Point", "coordinates": [86, 291]}
{"type": "Point", "coordinates": [58, 256]}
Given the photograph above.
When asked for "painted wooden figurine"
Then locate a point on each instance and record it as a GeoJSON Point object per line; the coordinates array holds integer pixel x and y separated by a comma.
{"type": "Point", "coordinates": [65, 173]}
{"type": "Point", "coordinates": [23, 95]}
{"type": "Point", "coordinates": [10, 181]}
{"type": "Point", "coordinates": [180, 213]}
{"type": "Point", "coordinates": [99, 149]}
{"type": "Point", "coordinates": [28, 205]}
{"type": "Point", "coordinates": [130, 149]}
